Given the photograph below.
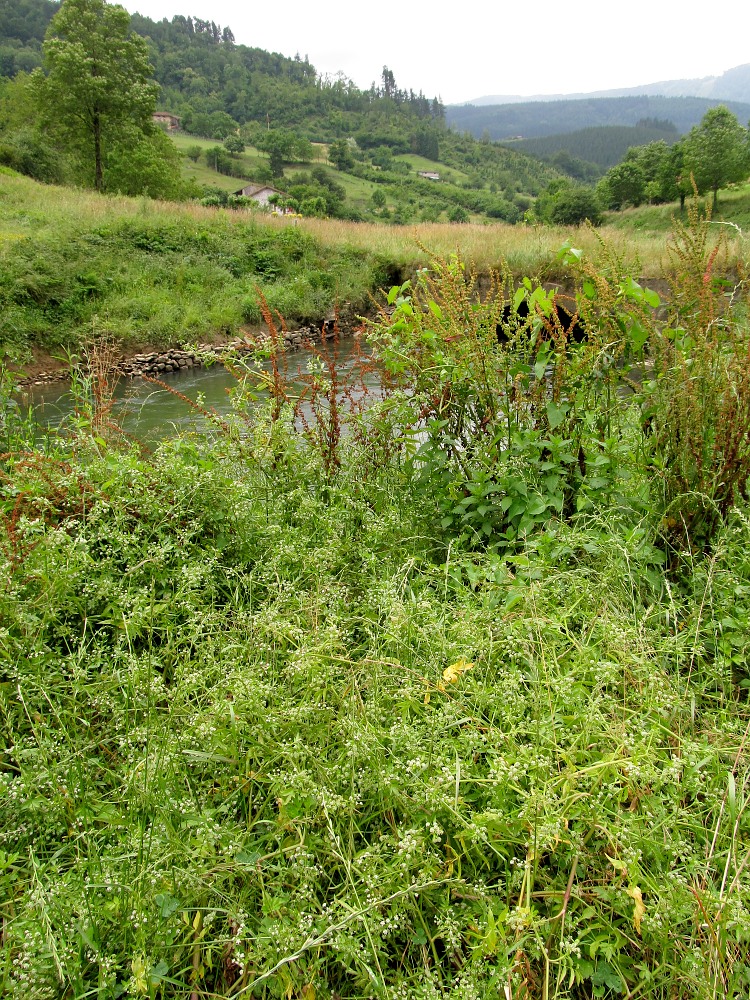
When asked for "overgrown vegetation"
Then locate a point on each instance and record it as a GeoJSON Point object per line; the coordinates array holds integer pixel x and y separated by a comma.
{"type": "Point", "coordinates": [417, 697]}
{"type": "Point", "coordinates": [148, 273]}
{"type": "Point", "coordinates": [74, 265]}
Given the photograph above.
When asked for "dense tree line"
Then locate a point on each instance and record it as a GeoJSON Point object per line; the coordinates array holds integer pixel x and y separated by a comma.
{"type": "Point", "coordinates": [542, 118]}
{"type": "Point", "coordinates": [600, 146]}
{"type": "Point", "coordinates": [205, 76]}
{"type": "Point", "coordinates": [23, 24]}
{"type": "Point", "coordinates": [712, 155]}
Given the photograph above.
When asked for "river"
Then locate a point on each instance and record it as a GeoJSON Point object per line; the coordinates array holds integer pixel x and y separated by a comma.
{"type": "Point", "coordinates": [150, 414]}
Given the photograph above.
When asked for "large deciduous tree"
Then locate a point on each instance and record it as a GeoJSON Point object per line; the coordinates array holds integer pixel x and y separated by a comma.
{"type": "Point", "coordinates": [624, 184]}
{"type": "Point", "coordinates": [674, 175]}
{"type": "Point", "coordinates": [98, 91]}
{"type": "Point", "coordinates": [340, 154]}
{"type": "Point", "coordinates": [716, 151]}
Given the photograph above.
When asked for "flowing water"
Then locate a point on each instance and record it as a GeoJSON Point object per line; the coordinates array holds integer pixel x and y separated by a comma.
{"type": "Point", "coordinates": [150, 413]}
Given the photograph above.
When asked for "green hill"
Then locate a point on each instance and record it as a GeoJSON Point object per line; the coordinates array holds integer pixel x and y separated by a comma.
{"type": "Point", "coordinates": [219, 87]}
{"type": "Point", "coordinates": [544, 118]}
{"type": "Point", "coordinates": [603, 145]}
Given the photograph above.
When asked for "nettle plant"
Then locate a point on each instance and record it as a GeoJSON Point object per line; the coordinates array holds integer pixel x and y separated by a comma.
{"type": "Point", "coordinates": [509, 419]}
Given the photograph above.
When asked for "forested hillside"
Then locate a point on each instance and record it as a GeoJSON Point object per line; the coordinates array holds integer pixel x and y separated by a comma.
{"type": "Point", "coordinates": [372, 144]}
{"type": "Point", "coordinates": [202, 71]}
{"type": "Point", "coordinates": [603, 146]}
{"type": "Point", "coordinates": [542, 118]}
{"type": "Point", "coordinates": [22, 27]}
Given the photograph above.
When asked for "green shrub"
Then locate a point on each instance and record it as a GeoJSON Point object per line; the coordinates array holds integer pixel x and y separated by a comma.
{"type": "Point", "coordinates": [26, 151]}
{"type": "Point", "coordinates": [573, 206]}
{"type": "Point", "coordinates": [512, 434]}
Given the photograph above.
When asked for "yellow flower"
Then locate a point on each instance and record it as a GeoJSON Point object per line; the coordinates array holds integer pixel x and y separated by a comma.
{"type": "Point", "coordinates": [139, 969]}
{"type": "Point", "coordinates": [454, 671]}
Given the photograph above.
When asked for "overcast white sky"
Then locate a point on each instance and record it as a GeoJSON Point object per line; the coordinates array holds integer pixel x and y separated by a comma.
{"type": "Point", "coordinates": [461, 51]}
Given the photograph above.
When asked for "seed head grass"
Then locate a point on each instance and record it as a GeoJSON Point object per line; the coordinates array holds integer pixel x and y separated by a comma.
{"type": "Point", "coordinates": [267, 739]}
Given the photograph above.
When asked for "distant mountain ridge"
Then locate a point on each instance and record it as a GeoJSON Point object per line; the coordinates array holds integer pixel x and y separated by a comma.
{"type": "Point", "coordinates": [732, 85]}
{"type": "Point", "coordinates": [535, 119]}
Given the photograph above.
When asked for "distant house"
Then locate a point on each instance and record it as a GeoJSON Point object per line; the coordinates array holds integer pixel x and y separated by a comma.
{"type": "Point", "coordinates": [170, 122]}
{"type": "Point", "coordinates": [262, 193]}
{"type": "Point", "coordinates": [429, 175]}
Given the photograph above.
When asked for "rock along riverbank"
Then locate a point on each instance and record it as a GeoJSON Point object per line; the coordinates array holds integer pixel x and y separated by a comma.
{"type": "Point", "coordinates": [157, 363]}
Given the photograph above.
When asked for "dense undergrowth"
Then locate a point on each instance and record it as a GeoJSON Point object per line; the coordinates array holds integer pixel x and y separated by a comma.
{"type": "Point", "coordinates": [74, 265]}
{"type": "Point", "coordinates": [158, 274]}
{"type": "Point", "coordinates": [288, 712]}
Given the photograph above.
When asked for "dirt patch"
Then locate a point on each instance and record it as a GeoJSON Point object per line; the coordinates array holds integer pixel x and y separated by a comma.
{"type": "Point", "coordinates": [42, 364]}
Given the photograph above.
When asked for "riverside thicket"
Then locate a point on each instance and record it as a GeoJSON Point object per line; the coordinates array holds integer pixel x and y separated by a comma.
{"type": "Point", "coordinates": [420, 700]}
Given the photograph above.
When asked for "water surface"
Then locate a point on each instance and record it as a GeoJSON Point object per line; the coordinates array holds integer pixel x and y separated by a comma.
{"type": "Point", "coordinates": [151, 414]}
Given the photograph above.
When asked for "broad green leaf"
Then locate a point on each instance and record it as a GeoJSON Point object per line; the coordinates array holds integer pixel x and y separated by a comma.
{"type": "Point", "coordinates": [637, 334]}
{"type": "Point", "coordinates": [556, 413]}
{"type": "Point", "coordinates": [589, 288]}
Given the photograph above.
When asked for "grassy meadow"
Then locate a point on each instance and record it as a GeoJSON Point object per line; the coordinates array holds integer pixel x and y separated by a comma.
{"type": "Point", "coordinates": [434, 692]}
{"type": "Point", "coordinates": [733, 209]}
{"type": "Point", "coordinates": [75, 265]}
{"type": "Point", "coordinates": [249, 162]}
{"type": "Point", "coordinates": [417, 163]}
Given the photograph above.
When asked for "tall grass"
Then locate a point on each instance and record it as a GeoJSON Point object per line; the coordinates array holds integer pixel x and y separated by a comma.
{"type": "Point", "coordinates": [273, 727]}
{"type": "Point", "coordinates": [733, 209]}
{"type": "Point", "coordinates": [157, 274]}
{"type": "Point", "coordinates": [525, 249]}
{"type": "Point", "coordinates": [266, 740]}
{"type": "Point", "coordinates": [56, 253]}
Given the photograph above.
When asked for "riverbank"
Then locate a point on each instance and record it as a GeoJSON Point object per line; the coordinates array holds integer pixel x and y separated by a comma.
{"type": "Point", "coordinates": [152, 276]}
{"type": "Point", "coordinates": [44, 369]}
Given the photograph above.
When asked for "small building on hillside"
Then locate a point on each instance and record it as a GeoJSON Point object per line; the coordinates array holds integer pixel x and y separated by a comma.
{"type": "Point", "coordinates": [429, 175]}
{"type": "Point", "coordinates": [262, 193]}
{"type": "Point", "coordinates": [170, 122]}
